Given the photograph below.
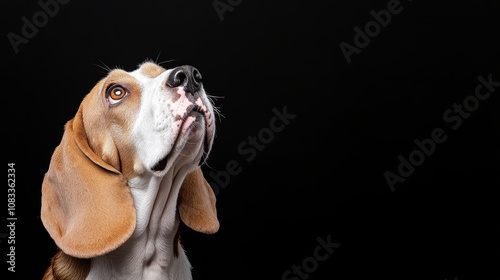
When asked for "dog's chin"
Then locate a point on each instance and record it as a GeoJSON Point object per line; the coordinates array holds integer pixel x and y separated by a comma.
{"type": "Point", "coordinates": [191, 144]}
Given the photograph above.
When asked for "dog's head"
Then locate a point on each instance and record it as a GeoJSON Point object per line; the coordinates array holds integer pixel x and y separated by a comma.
{"type": "Point", "coordinates": [149, 119]}
{"type": "Point", "coordinates": [139, 123]}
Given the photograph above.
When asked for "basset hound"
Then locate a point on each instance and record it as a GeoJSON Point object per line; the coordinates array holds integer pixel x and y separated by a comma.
{"type": "Point", "coordinates": [126, 173]}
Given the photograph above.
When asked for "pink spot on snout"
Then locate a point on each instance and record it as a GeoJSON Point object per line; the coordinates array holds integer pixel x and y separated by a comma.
{"type": "Point", "coordinates": [200, 103]}
{"type": "Point", "coordinates": [179, 107]}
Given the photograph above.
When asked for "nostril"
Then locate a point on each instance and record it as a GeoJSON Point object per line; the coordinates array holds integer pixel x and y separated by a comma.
{"type": "Point", "coordinates": [196, 76]}
{"type": "Point", "coordinates": [176, 78]}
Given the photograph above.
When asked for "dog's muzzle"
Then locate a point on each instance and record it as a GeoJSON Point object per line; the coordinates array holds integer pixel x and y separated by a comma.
{"type": "Point", "coordinates": [189, 78]}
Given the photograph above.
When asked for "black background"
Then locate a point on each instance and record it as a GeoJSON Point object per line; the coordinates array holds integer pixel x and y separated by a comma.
{"type": "Point", "coordinates": [320, 177]}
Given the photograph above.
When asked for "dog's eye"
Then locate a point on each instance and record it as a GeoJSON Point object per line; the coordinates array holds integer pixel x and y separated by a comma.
{"type": "Point", "coordinates": [115, 94]}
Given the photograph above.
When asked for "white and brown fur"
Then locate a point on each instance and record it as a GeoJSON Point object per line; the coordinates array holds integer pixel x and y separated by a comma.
{"type": "Point", "coordinates": [126, 173]}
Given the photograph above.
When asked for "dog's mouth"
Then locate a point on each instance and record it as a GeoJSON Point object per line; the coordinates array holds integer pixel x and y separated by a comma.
{"type": "Point", "coordinates": [195, 114]}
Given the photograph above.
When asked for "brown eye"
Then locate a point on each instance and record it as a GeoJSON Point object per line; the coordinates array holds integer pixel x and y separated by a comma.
{"type": "Point", "coordinates": [115, 94]}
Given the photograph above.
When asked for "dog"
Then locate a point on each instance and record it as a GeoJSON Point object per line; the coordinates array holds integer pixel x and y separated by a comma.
{"type": "Point", "coordinates": [126, 173]}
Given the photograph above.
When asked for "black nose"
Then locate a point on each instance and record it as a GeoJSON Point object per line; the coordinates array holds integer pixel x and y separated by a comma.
{"type": "Point", "coordinates": [186, 76]}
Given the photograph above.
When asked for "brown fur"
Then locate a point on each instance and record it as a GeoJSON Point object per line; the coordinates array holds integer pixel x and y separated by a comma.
{"type": "Point", "coordinates": [151, 70]}
{"type": "Point", "coordinates": [109, 137]}
{"type": "Point", "coordinates": [196, 204]}
{"type": "Point", "coordinates": [76, 207]}
{"type": "Point", "coordinates": [64, 267]}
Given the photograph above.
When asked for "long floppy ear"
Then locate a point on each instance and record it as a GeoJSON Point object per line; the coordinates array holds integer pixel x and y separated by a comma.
{"type": "Point", "coordinates": [196, 203]}
{"type": "Point", "coordinates": [87, 207]}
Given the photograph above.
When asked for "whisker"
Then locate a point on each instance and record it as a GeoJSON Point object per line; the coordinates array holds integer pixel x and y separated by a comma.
{"type": "Point", "coordinates": [208, 165]}
{"type": "Point", "coordinates": [217, 110]}
{"type": "Point", "coordinates": [104, 66]}
{"type": "Point", "coordinates": [157, 57]}
{"type": "Point", "coordinates": [166, 61]}
{"type": "Point", "coordinates": [215, 96]}
{"type": "Point", "coordinates": [218, 113]}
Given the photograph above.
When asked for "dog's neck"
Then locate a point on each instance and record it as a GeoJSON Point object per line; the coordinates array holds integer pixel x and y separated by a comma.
{"type": "Point", "coordinates": [152, 252]}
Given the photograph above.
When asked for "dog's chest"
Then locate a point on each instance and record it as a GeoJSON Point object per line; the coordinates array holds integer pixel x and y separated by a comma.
{"type": "Point", "coordinates": [153, 251]}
